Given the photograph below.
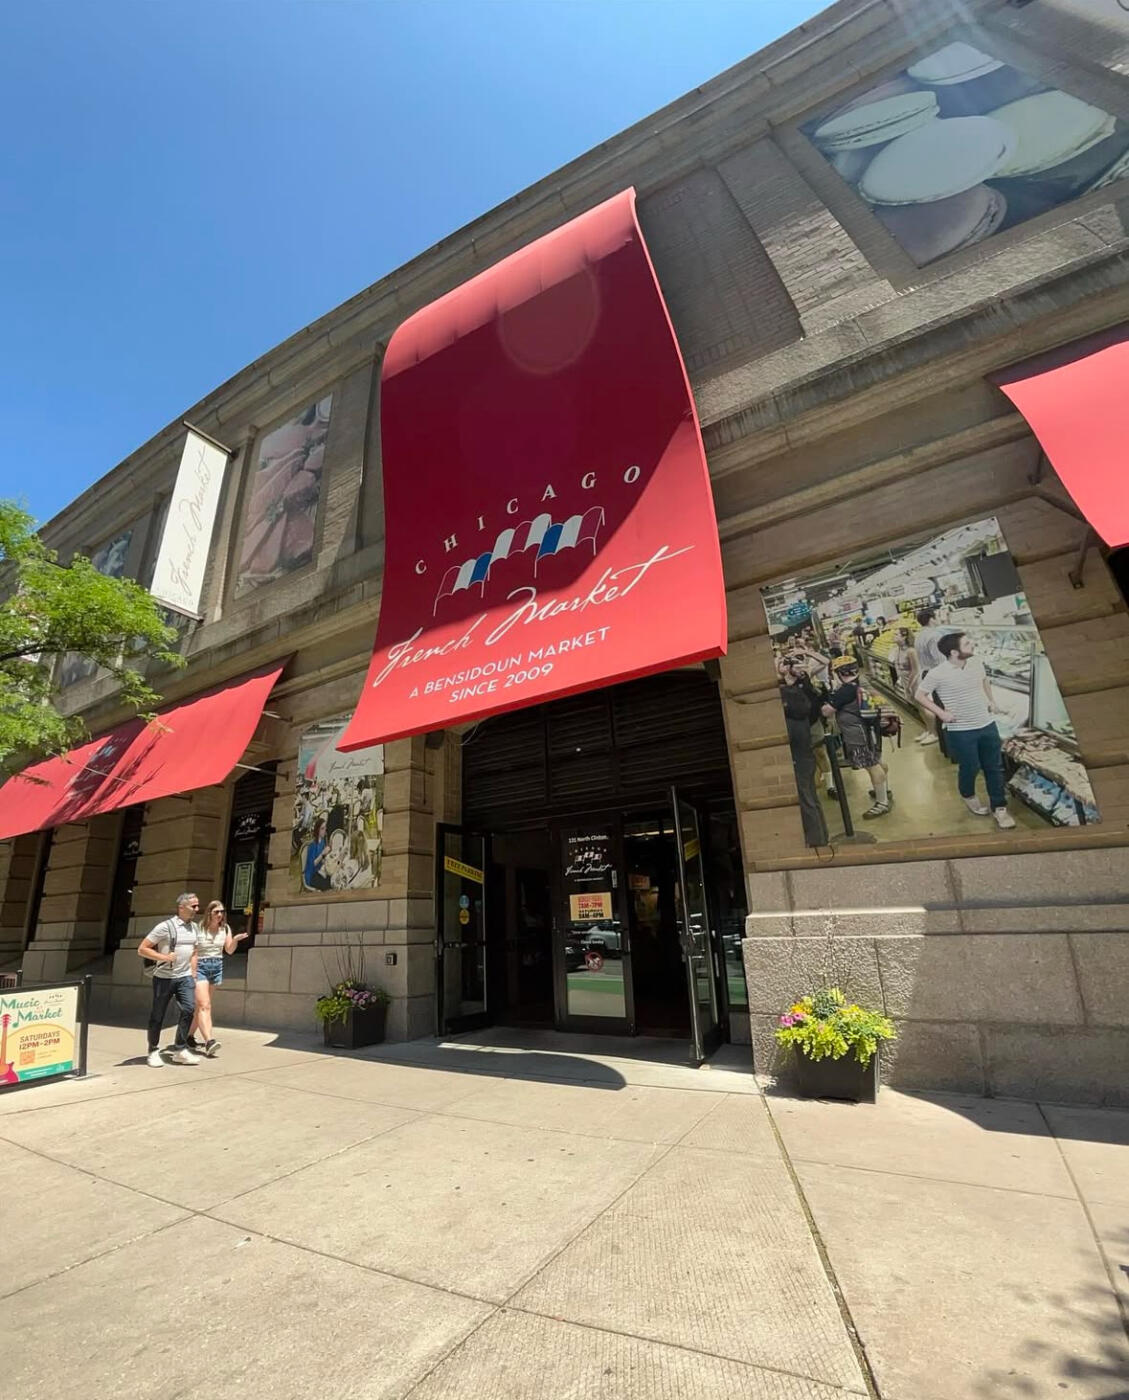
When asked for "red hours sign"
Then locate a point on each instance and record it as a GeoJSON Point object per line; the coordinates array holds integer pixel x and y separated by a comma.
{"type": "Point", "coordinates": [550, 525]}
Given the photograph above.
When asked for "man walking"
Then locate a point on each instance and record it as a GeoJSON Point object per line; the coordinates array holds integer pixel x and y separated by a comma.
{"type": "Point", "coordinates": [172, 947]}
{"type": "Point", "coordinates": [966, 711]}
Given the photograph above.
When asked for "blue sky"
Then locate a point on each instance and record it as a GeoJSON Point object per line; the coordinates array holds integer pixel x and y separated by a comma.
{"type": "Point", "coordinates": [184, 183]}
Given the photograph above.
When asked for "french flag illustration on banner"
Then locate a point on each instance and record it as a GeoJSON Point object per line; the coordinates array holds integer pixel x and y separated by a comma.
{"type": "Point", "coordinates": [549, 520]}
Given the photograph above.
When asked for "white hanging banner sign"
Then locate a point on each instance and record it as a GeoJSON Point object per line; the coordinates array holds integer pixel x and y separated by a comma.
{"type": "Point", "coordinates": [185, 544]}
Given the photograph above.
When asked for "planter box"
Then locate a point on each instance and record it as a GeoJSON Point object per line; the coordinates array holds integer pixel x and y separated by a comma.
{"type": "Point", "coordinates": [837, 1079]}
{"type": "Point", "coordinates": [357, 1029]}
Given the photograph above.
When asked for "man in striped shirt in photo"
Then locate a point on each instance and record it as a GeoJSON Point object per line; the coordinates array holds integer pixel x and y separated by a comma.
{"type": "Point", "coordinates": [966, 709]}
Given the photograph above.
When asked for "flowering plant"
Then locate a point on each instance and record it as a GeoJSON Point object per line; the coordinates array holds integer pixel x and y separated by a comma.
{"type": "Point", "coordinates": [347, 996]}
{"type": "Point", "coordinates": [827, 1025]}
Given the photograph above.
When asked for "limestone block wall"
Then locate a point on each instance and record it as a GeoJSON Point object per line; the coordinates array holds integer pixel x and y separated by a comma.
{"type": "Point", "coordinates": [309, 941]}
{"type": "Point", "coordinates": [181, 850]}
{"type": "Point", "coordinates": [18, 862]}
{"type": "Point", "coordinates": [72, 913]}
{"type": "Point", "coordinates": [1005, 975]}
{"type": "Point", "coordinates": [1003, 956]}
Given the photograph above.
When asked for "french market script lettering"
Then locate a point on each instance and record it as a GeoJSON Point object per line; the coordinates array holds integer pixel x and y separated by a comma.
{"type": "Point", "coordinates": [190, 510]}
{"type": "Point", "coordinates": [530, 609]}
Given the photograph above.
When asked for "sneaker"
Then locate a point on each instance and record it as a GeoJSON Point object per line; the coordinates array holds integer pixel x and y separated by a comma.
{"type": "Point", "coordinates": [879, 809]}
{"type": "Point", "coordinates": [185, 1057]}
{"type": "Point", "coordinates": [977, 808]}
{"type": "Point", "coordinates": [1004, 819]}
{"type": "Point", "coordinates": [832, 792]}
{"type": "Point", "coordinates": [154, 1059]}
{"type": "Point", "coordinates": [926, 739]}
{"type": "Point", "coordinates": [212, 1049]}
{"type": "Point", "coordinates": [192, 1043]}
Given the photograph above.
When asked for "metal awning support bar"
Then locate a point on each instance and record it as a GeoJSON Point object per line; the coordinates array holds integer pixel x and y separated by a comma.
{"type": "Point", "coordinates": [1089, 537]}
{"type": "Point", "coordinates": [192, 428]}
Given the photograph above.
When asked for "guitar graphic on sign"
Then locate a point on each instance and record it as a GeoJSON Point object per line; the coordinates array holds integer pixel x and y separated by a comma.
{"type": "Point", "coordinates": [8, 1073]}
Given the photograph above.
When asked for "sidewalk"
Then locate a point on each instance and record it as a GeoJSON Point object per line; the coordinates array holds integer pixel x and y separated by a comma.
{"type": "Point", "coordinates": [510, 1216]}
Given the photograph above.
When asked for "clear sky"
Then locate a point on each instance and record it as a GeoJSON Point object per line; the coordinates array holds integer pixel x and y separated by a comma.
{"type": "Point", "coordinates": [185, 183]}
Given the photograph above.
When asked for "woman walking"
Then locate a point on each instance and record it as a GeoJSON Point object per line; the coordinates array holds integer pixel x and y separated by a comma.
{"type": "Point", "coordinates": [213, 941]}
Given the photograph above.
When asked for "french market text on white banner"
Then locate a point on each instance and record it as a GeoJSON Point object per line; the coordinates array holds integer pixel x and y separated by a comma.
{"type": "Point", "coordinates": [185, 543]}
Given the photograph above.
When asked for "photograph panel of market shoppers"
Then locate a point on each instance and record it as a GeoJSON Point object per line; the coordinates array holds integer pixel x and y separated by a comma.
{"type": "Point", "coordinates": [844, 706]}
{"type": "Point", "coordinates": [170, 949]}
{"type": "Point", "coordinates": [803, 717]}
{"type": "Point", "coordinates": [966, 709]}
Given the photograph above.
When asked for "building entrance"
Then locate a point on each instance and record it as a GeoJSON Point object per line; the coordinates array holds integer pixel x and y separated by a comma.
{"type": "Point", "coordinates": [604, 915]}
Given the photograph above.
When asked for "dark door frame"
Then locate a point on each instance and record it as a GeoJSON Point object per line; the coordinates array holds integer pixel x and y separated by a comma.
{"type": "Point", "coordinates": [453, 1025]}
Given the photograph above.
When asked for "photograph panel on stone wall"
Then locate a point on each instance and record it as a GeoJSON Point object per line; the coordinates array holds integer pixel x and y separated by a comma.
{"type": "Point", "coordinates": [960, 145]}
{"type": "Point", "coordinates": [282, 498]}
{"type": "Point", "coordinates": [337, 837]}
{"type": "Point", "coordinates": [109, 559]}
{"type": "Point", "coordinates": [919, 673]}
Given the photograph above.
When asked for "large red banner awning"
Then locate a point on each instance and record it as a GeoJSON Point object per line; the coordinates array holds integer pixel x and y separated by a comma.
{"type": "Point", "coordinates": [550, 526]}
{"type": "Point", "coordinates": [190, 745]}
{"type": "Point", "coordinates": [1077, 403]}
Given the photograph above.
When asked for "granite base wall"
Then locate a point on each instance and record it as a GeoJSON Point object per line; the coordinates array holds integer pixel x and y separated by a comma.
{"type": "Point", "coordinates": [1005, 975]}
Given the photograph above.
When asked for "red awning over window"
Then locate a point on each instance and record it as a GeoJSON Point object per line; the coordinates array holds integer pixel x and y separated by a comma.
{"type": "Point", "coordinates": [1077, 403]}
{"type": "Point", "coordinates": [190, 745]}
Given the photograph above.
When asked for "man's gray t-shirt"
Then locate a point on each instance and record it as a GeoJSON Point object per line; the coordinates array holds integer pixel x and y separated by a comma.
{"type": "Point", "coordinates": [925, 644]}
{"type": "Point", "coordinates": [185, 946]}
{"type": "Point", "coordinates": [961, 692]}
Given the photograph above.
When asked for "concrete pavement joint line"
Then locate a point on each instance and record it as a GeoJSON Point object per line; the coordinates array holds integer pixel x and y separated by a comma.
{"type": "Point", "coordinates": [680, 1346]}
{"type": "Point", "coordinates": [349, 1263]}
{"type": "Point", "coordinates": [94, 1176]}
{"type": "Point", "coordinates": [494, 1122]}
{"type": "Point", "coordinates": [452, 1349]}
{"type": "Point", "coordinates": [1122, 1306]}
{"type": "Point", "coordinates": [540, 1078]}
{"type": "Point", "coordinates": [317, 1162]}
{"type": "Point", "coordinates": [825, 1259]}
{"type": "Point", "coordinates": [121, 1093]}
{"type": "Point", "coordinates": [662, 1154]}
{"type": "Point", "coordinates": [189, 1214]}
{"type": "Point", "coordinates": [942, 1180]}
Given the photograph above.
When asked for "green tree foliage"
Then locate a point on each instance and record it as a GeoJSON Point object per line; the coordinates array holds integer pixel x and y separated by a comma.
{"type": "Point", "coordinates": [47, 610]}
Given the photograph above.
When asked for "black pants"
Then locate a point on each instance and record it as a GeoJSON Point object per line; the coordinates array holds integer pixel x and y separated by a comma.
{"type": "Point", "coordinates": [164, 989]}
{"type": "Point", "coordinates": [803, 760]}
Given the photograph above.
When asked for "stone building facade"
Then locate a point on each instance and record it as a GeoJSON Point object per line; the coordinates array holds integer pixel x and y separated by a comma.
{"type": "Point", "coordinates": [847, 402]}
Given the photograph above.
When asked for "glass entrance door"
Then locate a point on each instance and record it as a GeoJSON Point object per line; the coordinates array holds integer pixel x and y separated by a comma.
{"type": "Point", "coordinates": [692, 914]}
{"type": "Point", "coordinates": [592, 944]}
{"type": "Point", "coordinates": [460, 944]}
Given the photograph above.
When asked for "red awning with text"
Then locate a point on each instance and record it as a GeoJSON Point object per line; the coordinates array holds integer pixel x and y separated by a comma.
{"type": "Point", "coordinates": [550, 526]}
{"type": "Point", "coordinates": [1077, 403]}
{"type": "Point", "coordinates": [189, 745]}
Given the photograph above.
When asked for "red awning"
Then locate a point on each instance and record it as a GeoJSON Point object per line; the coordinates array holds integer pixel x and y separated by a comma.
{"type": "Point", "coordinates": [549, 521]}
{"type": "Point", "coordinates": [190, 745]}
{"type": "Point", "coordinates": [1077, 403]}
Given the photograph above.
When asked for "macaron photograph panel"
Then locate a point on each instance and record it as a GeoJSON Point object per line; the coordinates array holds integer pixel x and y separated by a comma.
{"type": "Point", "coordinates": [960, 145]}
{"type": "Point", "coordinates": [282, 501]}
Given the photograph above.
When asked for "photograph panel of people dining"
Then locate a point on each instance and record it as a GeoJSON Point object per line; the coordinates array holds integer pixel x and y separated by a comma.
{"type": "Point", "coordinates": [918, 676]}
{"type": "Point", "coordinates": [338, 827]}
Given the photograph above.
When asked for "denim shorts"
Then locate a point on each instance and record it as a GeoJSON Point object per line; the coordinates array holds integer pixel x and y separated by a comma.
{"type": "Point", "coordinates": [210, 970]}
